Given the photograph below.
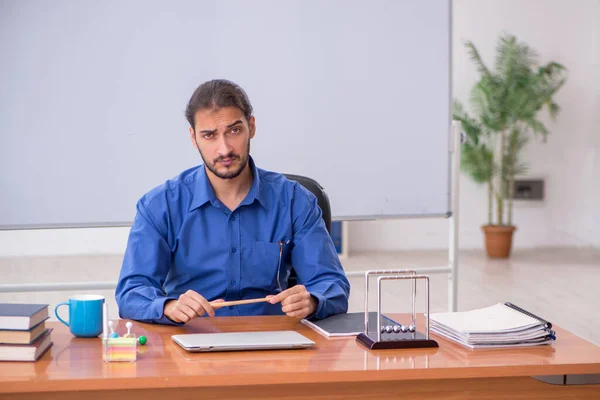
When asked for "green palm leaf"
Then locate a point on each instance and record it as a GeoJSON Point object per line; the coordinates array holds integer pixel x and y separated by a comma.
{"type": "Point", "coordinates": [506, 103]}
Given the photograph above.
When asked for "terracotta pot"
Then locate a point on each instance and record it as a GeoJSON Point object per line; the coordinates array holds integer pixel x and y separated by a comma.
{"type": "Point", "coordinates": [498, 240]}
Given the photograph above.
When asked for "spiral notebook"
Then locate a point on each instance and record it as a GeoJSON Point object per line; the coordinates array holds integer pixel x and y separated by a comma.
{"type": "Point", "coordinates": [500, 325]}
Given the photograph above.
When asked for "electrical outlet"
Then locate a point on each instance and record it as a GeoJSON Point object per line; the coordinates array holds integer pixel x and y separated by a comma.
{"type": "Point", "coordinates": [529, 189]}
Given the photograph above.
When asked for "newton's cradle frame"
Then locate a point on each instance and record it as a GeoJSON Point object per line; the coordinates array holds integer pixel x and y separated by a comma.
{"type": "Point", "coordinates": [402, 336]}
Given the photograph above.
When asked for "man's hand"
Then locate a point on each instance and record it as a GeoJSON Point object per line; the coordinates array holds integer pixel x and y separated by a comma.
{"type": "Point", "coordinates": [295, 302]}
{"type": "Point", "coordinates": [189, 306]}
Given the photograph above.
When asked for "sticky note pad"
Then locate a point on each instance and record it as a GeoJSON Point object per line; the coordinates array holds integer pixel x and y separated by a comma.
{"type": "Point", "coordinates": [119, 349]}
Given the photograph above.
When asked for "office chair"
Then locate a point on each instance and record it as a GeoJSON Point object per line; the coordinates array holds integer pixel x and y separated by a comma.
{"type": "Point", "coordinates": [322, 200]}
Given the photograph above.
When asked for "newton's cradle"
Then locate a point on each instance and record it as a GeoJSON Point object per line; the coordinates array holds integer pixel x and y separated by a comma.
{"type": "Point", "coordinates": [397, 336]}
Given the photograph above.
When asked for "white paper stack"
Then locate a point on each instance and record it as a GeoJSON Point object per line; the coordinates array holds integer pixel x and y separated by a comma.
{"type": "Point", "coordinates": [497, 326]}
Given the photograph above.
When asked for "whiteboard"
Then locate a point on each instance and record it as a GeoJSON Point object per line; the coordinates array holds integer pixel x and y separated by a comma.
{"type": "Point", "coordinates": [355, 94]}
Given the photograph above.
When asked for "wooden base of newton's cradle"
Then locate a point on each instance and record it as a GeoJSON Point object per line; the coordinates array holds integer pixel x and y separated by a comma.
{"type": "Point", "coordinates": [396, 341]}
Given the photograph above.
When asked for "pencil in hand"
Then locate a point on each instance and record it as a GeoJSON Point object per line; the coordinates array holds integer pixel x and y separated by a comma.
{"type": "Point", "coordinates": [221, 304]}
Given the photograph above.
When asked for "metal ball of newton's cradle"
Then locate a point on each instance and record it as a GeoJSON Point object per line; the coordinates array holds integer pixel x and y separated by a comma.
{"type": "Point", "coordinates": [404, 328]}
{"type": "Point", "coordinates": [397, 328]}
{"type": "Point", "coordinates": [411, 328]}
{"type": "Point", "coordinates": [387, 328]}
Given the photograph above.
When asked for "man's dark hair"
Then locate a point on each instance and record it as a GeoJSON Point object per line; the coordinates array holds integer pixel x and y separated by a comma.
{"type": "Point", "coordinates": [217, 93]}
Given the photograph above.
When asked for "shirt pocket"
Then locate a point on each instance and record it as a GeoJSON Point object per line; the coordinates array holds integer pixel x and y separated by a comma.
{"type": "Point", "coordinates": [264, 262]}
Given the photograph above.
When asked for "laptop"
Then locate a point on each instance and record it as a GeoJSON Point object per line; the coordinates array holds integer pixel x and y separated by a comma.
{"type": "Point", "coordinates": [237, 341]}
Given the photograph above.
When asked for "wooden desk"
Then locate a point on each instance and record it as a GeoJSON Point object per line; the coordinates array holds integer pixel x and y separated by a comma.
{"type": "Point", "coordinates": [335, 369]}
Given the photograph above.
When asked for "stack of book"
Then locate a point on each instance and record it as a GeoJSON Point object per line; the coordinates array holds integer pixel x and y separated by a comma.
{"type": "Point", "coordinates": [497, 326]}
{"type": "Point", "coordinates": [23, 332]}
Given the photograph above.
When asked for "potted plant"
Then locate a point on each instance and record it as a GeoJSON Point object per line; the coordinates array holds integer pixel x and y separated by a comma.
{"type": "Point", "coordinates": [506, 105]}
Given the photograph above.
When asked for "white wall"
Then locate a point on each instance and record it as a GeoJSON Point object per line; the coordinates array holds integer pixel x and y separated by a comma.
{"type": "Point", "coordinates": [45, 242]}
{"type": "Point", "coordinates": [562, 30]}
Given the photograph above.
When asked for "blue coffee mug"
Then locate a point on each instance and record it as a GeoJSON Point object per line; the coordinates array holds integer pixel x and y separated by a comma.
{"type": "Point", "coordinates": [85, 315]}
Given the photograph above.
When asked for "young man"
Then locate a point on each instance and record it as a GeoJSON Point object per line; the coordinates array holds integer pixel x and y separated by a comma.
{"type": "Point", "coordinates": [227, 230]}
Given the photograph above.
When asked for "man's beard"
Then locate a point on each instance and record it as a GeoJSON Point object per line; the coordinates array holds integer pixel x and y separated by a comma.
{"type": "Point", "coordinates": [228, 174]}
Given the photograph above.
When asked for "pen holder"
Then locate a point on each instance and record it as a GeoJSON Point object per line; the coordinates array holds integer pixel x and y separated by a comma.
{"type": "Point", "coordinates": [119, 349]}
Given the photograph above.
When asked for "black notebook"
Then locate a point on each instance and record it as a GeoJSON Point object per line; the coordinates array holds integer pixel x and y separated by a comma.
{"type": "Point", "coordinates": [350, 324]}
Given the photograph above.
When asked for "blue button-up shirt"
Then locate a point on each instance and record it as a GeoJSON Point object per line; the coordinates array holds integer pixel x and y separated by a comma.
{"type": "Point", "coordinates": [184, 238]}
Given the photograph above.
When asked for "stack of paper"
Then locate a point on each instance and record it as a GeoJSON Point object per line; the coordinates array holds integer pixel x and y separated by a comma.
{"type": "Point", "coordinates": [501, 325]}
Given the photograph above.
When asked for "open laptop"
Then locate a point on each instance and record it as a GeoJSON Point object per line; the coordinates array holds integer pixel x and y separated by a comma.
{"type": "Point", "coordinates": [236, 341]}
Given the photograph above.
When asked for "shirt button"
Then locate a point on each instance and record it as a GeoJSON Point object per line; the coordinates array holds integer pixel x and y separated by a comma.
{"type": "Point", "coordinates": [233, 249]}
{"type": "Point", "coordinates": [233, 217]}
{"type": "Point", "coordinates": [233, 282]}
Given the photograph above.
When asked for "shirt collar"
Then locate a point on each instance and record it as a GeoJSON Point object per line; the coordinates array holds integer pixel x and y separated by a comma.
{"type": "Point", "coordinates": [204, 192]}
{"type": "Point", "coordinates": [257, 189]}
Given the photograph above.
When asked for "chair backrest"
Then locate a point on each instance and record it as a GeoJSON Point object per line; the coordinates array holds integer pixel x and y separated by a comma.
{"type": "Point", "coordinates": [322, 200]}
{"type": "Point", "coordinates": [316, 189]}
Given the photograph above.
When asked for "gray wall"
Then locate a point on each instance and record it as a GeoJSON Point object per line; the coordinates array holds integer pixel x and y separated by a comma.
{"type": "Point", "coordinates": [355, 94]}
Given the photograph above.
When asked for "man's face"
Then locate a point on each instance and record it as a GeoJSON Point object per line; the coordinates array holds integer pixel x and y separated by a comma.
{"type": "Point", "coordinates": [222, 136]}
